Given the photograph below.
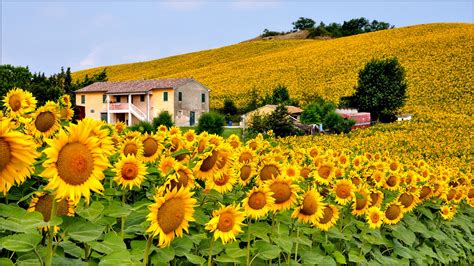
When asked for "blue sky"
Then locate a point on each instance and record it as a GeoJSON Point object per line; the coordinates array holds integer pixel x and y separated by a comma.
{"type": "Point", "coordinates": [83, 34]}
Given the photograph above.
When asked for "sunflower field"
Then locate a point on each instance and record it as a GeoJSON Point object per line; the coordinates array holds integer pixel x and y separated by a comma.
{"type": "Point", "coordinates": [94, 193]}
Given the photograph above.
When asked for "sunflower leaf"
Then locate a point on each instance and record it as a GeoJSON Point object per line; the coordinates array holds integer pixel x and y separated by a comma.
{"type": "Point", "coordinates": [20, 242]}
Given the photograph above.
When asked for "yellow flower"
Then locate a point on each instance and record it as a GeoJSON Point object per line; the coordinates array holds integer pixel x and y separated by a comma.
{"type": "Point", "coordinates": [245, 155]}
{"type": "Point", "coordinates": [408, 200]}
{"type": "Point", "coordinates": [42, 202]}
{"type": "Point", "coordinates": [222, 183]}
{"type": "Point", "coordinates": [65, 100]}
{"type": "Point", "coordinates": [132, 146]}
{"type": "Point", "coordinates": [45, 121]}
{"type": "Point", "coordinates": [362, 201]}
{"type": "Point", "coordinates": [130, 172]}
{"type": "Point", "coordinates": [258, 203]}
{"type": "Point", "coordinates": [16, 102]}
{"type": "Point", "coordinates": [244, 172]}
{"type": "Point", "coordinates": [311, 208]}
{"type": "Point", "coordinates": [170, 215]}
{"type": "Point", "coordinates": [234, 141]}
{"type": "Point", "coordinates": [392, 182]}
{"type": "Point", "coordinates": [120, 127]}
{"type": "Point", "coordinates": [448, 212]}
{"type": "Point", "coordinates": [74, 164]}
{"type": "Point", "coordinates": [284, 192]}
{"type": "Point", "coordinates": [330, 217]}
{"type": "Point", "coordinates": [182, 177]}
{"type": "Point", "coordinates": [393, 213]}
{"type": "Point", "coordinates": [268, 170]}
{"type": "Point", "coordinates": [375, 217]}
{"type": "Point", "coordinates": [324, 173]}
{"type": "Point", "coordinates": [18, 154]}
{"type": "Point", "coordinates": [344, 191]}
{"type": "Point", "coordinates": [151, 147]}
{"type": "Point", "coordinates": [226, 223]}
{"type": "Point", "coordinates": [376, 198]}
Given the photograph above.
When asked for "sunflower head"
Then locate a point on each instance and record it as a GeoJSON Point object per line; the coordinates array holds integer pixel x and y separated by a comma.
{"type": "Point", "coordinates": [222, 183]}
{"type": "Point", "coordinates": [258, 203]}
{"type": "Point", "coordinates": [130, 172]}
{"type": "Point", "coordinates": [226, 223]}
{"type": "Point", "coordinates": [16, 102]}
{"type": "Point", "coordinates": [244, 172]}
{"type": "Point", "coordinates": [42, 202]}
{"type": "Point", "coordinates": [284, 192]}
{"type": "Point", "coordinates": [344, 191]}
{"type": "Point", "coordinates": [132, 146]}
{"type": "Point", "coordinates": [268, 170]}
{"type": "Point", "coordinates": [329, 218]}
{"type": "Point", "coordinates": [375, 217]}
{"type": "Point", "coordinates": [310, 209]}
{"type": "Point", "coordinates": [393, 213]}
{"type": "Point", "coordinates": [362, 201]}
{"type": "Point", "coordinates": [151, 147]}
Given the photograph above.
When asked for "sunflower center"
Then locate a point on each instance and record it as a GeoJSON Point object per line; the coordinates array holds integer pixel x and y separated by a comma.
{"type": "Point", "coordinates": [5, 151]}
{"type": "Point", "coordinates": [393, 166]}
{"type": "Point", "coordinates": [290, 172]}
{"type": "Point", "coordinates": [129, 171]}
{"type": "Point", "coordinates": [44, 205]}
{"type": "Point", "coordinates": [15, 102]}
{"type": "Point", "coordinates": [174, 144]}
{"type": "Point", "coordinates": [245, 172]}
{"type": "Point", "coordinates": [355, 180]}
{"type": "Point", "coordinates": [281, 192]}
{"type": "Point", "coordinates": [170, 215]}
{"type": "Point", "coordinates": [223, 161]}
{"type": "Point", "coordinates": [374, 198]}
{"type": "Point", "coordinates": [343, 159]}
{"type": "Point", "coordinates": [470, 194]}
{"type": "Point", "coordinates": [257, 200]}
{"type": "Point", "coordinates": [425, 191]}
{"type": "Point", "coordinates": [226, 222]}
{"type": "Point", "coordinates": [269, 172]}
{"type": "Point", "coordinates": [45, 121]}
{"type": "Point", "coordinates": [324, 171]}
{"type": "Point", "coordinates": [392, 181]}
{"type": "Point", "coordinates": [245, 157]}
{"type": "Point", "coordinates": [327, 216]}
{"type": "Point", "coordinates": [406, 200]}
{"type": "Point", "coordinates": [305, 172]}
{"type": "Point", "coordinates": [130, 148]}
{"type": "Point", "coordinates": [362, 202]}
{"type": "Point", "coordinates": [310, 206]}
{"type": "Point", "coordinates": [222, 180]}
{"type": "Point", "coordinates": [343, 191]}
{"type": "Point", "coordinates": [209, 162]}
{"type": "Point", "coordinates": [451, 194]}
{"type": "Point", "coordinates": [392, 212]}
{"type": "Point", "coordinates": [445, 211]}
{"type": "Point", "coordinates": [253, 145]}
{"type": "Point", "coordinates": [149, 147]}
{"type": "Point", "coordinates": [374, 217]}
{"type": "Point", "coordinates": [75, 163]}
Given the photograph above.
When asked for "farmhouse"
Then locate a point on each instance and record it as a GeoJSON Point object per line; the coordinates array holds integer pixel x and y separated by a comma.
{"type": "Point", "coordinates": [294, 112]}
{"type": "Point", "coordinates": [362, 119]}
{"type": "Point", "coordinates": [142, 100]}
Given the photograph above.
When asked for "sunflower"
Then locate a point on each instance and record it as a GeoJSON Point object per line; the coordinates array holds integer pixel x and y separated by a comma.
{"type": "Point", "coordinates": [226, 223]}
{"type": "Point", "coordinates": [132, 146]}
{"type": "Point", "coordinates": [409, 200]}
{"type": "Point", "coordinates": [234, 141]}
{"type": "Point", "coordinates": [379, 178]}
{"type": "Point", "coordinates": [97, 130]}
{"type": "Point", "coordinates": [284, 192]}
{"type": "Point", "coordinates": [222, 183]}
{"type": "Point", "coordinates": [42, 202]}
{"type": "Point", "coordinates": [324, 173]}
{"type": "Point", "coordinates": [258, 203]}
{"type": "Point", "coordinates": [151, 147]}
{"type": "Point", "coordinates": [362, 201]}
{"type": "Point", "coordinates": [268, 170]}
{"type": "Point", "coordinates": [394, 167]}
{"type": "Point", "coordinates": [357, 162]}
{"type": "Point", "coordinates": [16, 103]}
{"type": "Point", "coordinates": [170, 215]}
{"type": "Point", "coordinates": [344, 191]}
{"type": "Point", "coordinates": [120, 127]}
{"type": "Point", "coordinates": [392, 182]}
{"type": "Point", "coordinates": [330, 217]}
{"type": "Point", "coordinates": [393, 213]}
{"type": "Point", "coordinates": [244, 172]}
{"type": "Point", "coordinates": [376, 198]}
{"type": "Point", "coordinates": [74, 164]}
{"type": "Point", "coordinates": [66, 113]}
{"type": "Point", "coordinates": [305, 171]}
{"type": "Point", "coordinates": [292, 171]}
{"type": "Point", "coordinates": [207, 167]}
{"type": "Point", "coordinates": [130, 172]}
{"type": "Point", "coordinates": [190, 137]}
{"type": "Point", "coordinates": [167, 165]}
{"type": "Point", "coordinates": [311, 208]}
{"type": "Point", "coordinates": [174, 131]}
{"type": "Point", "coordinates": [65, 100]}
{"type": "Point", "coordinates": [375, 217]}
{"type": "Point", "coordinates": [447, 212]}
{"type": "Point", "coordinates": [313, 152]}
{"type": "Point", "coordinates": [245, 155]}
{"type": "Point", "coordinates": [182, 177]}
{"type": "Point", "coordinates": [18, 154]}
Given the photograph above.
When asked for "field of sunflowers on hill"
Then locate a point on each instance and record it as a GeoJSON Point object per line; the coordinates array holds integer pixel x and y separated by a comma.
{"type": "Point", "coordinates": [97, 193]}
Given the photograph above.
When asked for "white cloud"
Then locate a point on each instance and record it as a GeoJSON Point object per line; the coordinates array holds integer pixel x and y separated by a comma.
{"type": "Point", "coordinates": [254, 5]}
{"type": "Point", "coordinates": [92, 58]}
{"type": "Point", "coordinates": [182, 5]}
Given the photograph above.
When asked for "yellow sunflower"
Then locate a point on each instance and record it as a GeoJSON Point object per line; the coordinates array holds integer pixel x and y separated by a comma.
{"type": "Point", "coordinates": [226, 223]}
{"type": "Point", "coordinates": [284, 192]}
{"type": "Point", "coordinates": [66, 113]}
{"type": "Point", "coordinates": [45, 121]}
{"type": "Point", "coordinates": [182, 178]}
{"type": "Point", "coordinates": [357, 162]}
{"type": "Point", "coordinates": [74, 164]}
{"type": "Point", "coordinates": [268, 170]}
{"type": "Point", "coordinates": [42, 202]}
{"type": "Point", "coordinates": [18, 154]}
{"type": "Point", "coordinates": [258, 203]}
{"type": "Point", "coordinates": [447, 212]}
{"type": "Point", "coordinates": [99, 131]}
{"type": "Point", "coordinates": [120, 127]}
{"type": "Point", "coordinates": [292, 171]}
{"type": "Point", "coordinates": [170, 215]}
{"type": "Point", "coordinates": [245, 155]}
{"type": "Point", "coordinates": [130, 172]}
{"type": "Point", "coordinates": [152, 147]}
{"type": "Point", "coordinates": [425, 192]}
{"type": "Point", "coordinates": [393, 213]}
{"type": "Point", "coordinates": [409, 200]}
{"type": "Point", "coordinates": [376, 198]}
{"type": "Point", "coordinates": [311, 208]}
{"type": "Point", "coordinates": [362, 201]}
{"type": "Point", "coordinates": [375, 217]}
{"type": "Point", "coordinates": [330, 217]}
{"type": "Point", "coordinates": [379, 178]}
{"type": "Point", "coordinates": [305, 171]}
{"type": "Point", "coordinates": [132, 146]}
{"type": "Point", "coordinates": [344, 191]}
{"type": "Point", "coordinates": [65, 100]}
{"type": "Point", "coordinates": [324, 173]}
{"type": "Point", "coordinates": [245, 172]}
{"type": "Point", "coordinates": [392, 182]}
{"type": "Point", "coordinates": [234, 141]}
{"type": "Point", "coordinates": [16, 103]}
{"type": "Point", "coordinates": [167, 165]}
{"type": "Point", "coordinates": [207, 167]}
{"type": "Point", "coordinates": [222, 183]}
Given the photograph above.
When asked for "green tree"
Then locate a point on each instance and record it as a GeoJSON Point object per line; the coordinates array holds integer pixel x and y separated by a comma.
{"type": "Point", "coordinates": [163, 118]}
{"type": "Point", "coordinates": [303, 24]}
{"type": "Point", "coordinates": [335, 123]}
{"type": "Point", "coordinates": [11, 77]}
{"type": "Point", "coordinates": [281, 123]}
{"type": "Point", "coordinates": [229, 107]}
{"type": "Point", "coordinates": [211, 122]}
{"type": "Point", "coordinates": [280, 95]}
{"type": "Point", "coordinates": [381, 89]}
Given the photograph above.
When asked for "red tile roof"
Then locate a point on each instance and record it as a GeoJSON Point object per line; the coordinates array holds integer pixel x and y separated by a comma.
{"type": "Point", "coordinates": [135, 85]}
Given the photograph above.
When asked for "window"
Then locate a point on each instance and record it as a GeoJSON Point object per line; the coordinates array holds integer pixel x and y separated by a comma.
{"type": "Point", "coordinates": [104, 98]}
{"type": "Point", "coordinates": [203, 98]}
{"type": "Point", "coordinates": [165, 96]}
{"type": "Point", "coordinates": [180, 96]}
{"type": "Point", "coordinates": [117, 99]}
{"type": "Point", "coordinates": [83, 99]}
{"type": "Point", "coordinates": [92, 111]}
{"type": "Point", "coordinates": [142, 98]}
{"type": "Point", "coordinates": [103, 116]}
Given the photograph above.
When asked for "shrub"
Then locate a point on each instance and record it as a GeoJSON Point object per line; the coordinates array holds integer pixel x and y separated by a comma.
{"type": "Point", "coordinates": [335, 123]}
{"type": "Point", "coordinates": [143, 127]}
{"type": "Point", "coordinates": [211, 122]}
{"type": "Point", "coordinates": [164, 118]}
{"type": "Point", "coordinates": [280, 122]}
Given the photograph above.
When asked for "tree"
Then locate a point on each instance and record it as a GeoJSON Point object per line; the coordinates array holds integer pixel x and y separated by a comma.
{"type": "Point", "coordinates": [303, 24]}
{"type": "Point", "coordinates": [164, 118]}
{"type": "Point", "coordinates": [381, 89]}
{"type": "Point", "coordinates": [280, 122]}
{"type": "Point", "coordinates": [211, 122]}
{"type": "Point", "coordinates": [355, 26]}
{"type": "Point", "coordinates": [11, 77]}
{"type": "Point", "coordinates": [229, 107]}
{"type": "Point", "coordinates": [254, 100]}
{"type": "Point", "coordinates": [280, 95]}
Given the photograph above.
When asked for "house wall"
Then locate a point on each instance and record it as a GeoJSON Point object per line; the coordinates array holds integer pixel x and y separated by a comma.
{"type": "Point", "coordinates": [191, 102]}
{"type": "Point", "coordinates": [93, 105]}
{"type": "Point", "coordinates": [157, 105]}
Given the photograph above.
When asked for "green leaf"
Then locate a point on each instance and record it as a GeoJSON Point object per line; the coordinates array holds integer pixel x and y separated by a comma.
{"type": "Point", "coordinates": [182, 245]}
{"type": "Point", "coordinates": [180, 152]}
{"type": "Point", "coordinates": [233, 250]}
{"type": "Point", "coordinates": [225, 258]}
{"type": "Point", "coordinates": [71, 249]}
{"type": "Point", "coordinates": [26, 222]}
{"type": "Point", "coordinates": [11, 210]}
{"type": "Point", "coordinates": [110, 244]}
{"type": "Point", "coordinates": [425, 250]}
{"type": "Point", "coordinates": [265, 250]}
{"type": "Point", "coordinates": [195, 259]}
{"type": "Point", "coordinates": [20, 242]}
{"type": "Point", "coordinates": [426, 212]}
{"type": "Point", "coordinates": [312, 256]}
{"type": "Point", "coordinates": [6, 262]}
{"type": "Point", "coordinates": [302, 241]}
{"type": "Point", "coordinates": [166, 254]}
{"type": "Point", "coordinates": [354, 256]}
{"type": "Point", "coordinates": [260, 230]}
{"type": "Point", "coordinates": [28, 262]}
{"type": "Point", "coordinates": [404, 234]}
{"type": "Point", "coordinates": [197, 238]}
{"type": "Point", "coordinates": [284, 242]}
{"type": "Point", "coordinates": [91, 213]}
{"type": "Point", "coordinates": [439, 235]}
{"type": "Point", "coordinates": [402, 251]}
{"type": "Point", "coordinates": [339, 257]}
{"type": "Point", "coordinates": [84, 231]}
{"type": "Point", "coordinates": [115, 209]}
{"type": "Point", "coordinates": [200, 217]}
{"type": "Point", "coordinates": [117, 258]}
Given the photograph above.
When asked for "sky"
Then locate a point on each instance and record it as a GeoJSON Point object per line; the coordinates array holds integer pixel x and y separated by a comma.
{"type": "Point", "coordinates": [46, 35]}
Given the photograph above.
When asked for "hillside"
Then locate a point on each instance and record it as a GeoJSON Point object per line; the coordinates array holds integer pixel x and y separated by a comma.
{"type": "Point", "coordinates": [437, 57]}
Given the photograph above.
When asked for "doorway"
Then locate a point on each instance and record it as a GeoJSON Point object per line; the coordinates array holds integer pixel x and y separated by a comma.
{"type": "Point", "coordinates": [192, 118]}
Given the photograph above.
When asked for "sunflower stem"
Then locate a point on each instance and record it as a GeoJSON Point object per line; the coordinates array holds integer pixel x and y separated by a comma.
{"type": "Point", "coordinates": [296, 248]}
{"type": "Point", "coordinates": [209, 262]}
{"type": "Point", "coordinates": [49, 248]}
{"type": "Point", "coordinates": [147, 250]}
{"type": "Point", "coordinates": [122, 219]}
{"type": "Point", "coordinates": [248, 242]}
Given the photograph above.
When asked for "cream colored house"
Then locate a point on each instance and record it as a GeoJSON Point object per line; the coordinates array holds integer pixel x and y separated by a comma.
{"type": "Point", "coordinates": [142, 100]}
{"type": "Point", "coordinates": [294, 111]}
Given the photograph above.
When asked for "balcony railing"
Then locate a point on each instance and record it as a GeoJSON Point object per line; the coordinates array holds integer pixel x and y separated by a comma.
{"type": "Point", "coordinates": [118, 106]}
